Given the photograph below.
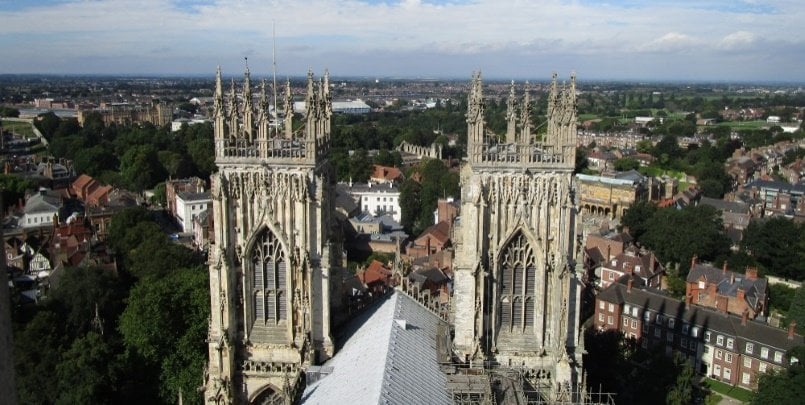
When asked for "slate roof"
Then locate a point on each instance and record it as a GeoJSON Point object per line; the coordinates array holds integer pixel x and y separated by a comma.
{"type": "Point", "coordinates": [728, 283]}
{"type": "Point", "coordinates": [727, 206]}
{"type": "Point", "coordinates": [385, 360]}
{"type": "Point", "coordinates": [708, 319]}
{"type": "Point", "coordinates": [44, 201]}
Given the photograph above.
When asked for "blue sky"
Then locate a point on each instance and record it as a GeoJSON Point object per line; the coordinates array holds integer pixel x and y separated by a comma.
{"type": "Point", "coordinates": [723, 40]}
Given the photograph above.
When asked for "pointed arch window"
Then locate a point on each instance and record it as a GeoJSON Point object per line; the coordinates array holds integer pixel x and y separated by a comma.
{"type": "Point", "coordinates": [518, 286]}
{"type": "Point", "coordinates": [269, 275]}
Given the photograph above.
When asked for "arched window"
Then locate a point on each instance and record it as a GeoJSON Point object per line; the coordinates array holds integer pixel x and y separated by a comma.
{"type": "Point", "coordinates": [518, 286]}
{"type": "Point", "coordinates": [269, 275]}
{"type": "Point", "coordinates": [270, 397]}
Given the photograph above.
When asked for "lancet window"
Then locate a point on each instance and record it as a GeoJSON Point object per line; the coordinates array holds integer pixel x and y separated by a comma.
{"type": "Point", "coordinates": [269, 277]}
{"type": "Point", "coordinates": [518, 286]}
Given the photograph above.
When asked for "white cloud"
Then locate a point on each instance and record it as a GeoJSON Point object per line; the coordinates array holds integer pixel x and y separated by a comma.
{"type": "Point", "coordinates": [316, 29]}
{"type": "Point", "coordinates": [738, 40]}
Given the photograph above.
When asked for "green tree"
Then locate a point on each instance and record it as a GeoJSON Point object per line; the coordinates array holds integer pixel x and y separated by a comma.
{"type": "Point", "coordinates": [87, 371]}
{"type": "Point", "coordinates": [409, 203]}
{"type": "Point", "coordinates": [13, 189]}
{"type": "Point", "coordinates": [685, 389]}
{"type": "Point", "coordinates": [141, 169]}
{"type": "Point", "coordinates": [94, 160]}
{"type": "Point", "coordinates": [796, 312]}
{"type": "Point", "coordinates": [626, 164]}
{"type": "Point", "coordinates": [635, 218]}
{"type": "Point", "coordinates": [669, 235]}
{"type": "Point", "coordinates": [777, 246]}
{"type": "Point", "coordinates": [173, 341]}
{"type": "Point", "coordinates": [120, 235]}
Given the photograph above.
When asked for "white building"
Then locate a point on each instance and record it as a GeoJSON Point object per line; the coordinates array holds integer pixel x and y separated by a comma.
{"type": "Point", "coordinates": [41, 208]}
{"type": "Point", "coordinates": [376, 199]}
{"type": "Point", "coordinates": [177, 123]}
{"type": "Point", "coordinates": [189, 205]}
{"type": "Point", "coordinates": [343, 107]}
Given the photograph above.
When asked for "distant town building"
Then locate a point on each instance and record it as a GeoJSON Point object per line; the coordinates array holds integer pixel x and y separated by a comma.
{"type": "Point", "coordinates": [41, 209]}
{"type": "Point", "coordinates": [159, 114]}
{"type": "Point", "coordinates": [376, 199]}
{"type": "Point", "coordinates": [611, 196]}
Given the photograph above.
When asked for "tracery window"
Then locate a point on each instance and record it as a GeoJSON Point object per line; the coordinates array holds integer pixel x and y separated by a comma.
{"type": "Point", "coordinates": [269, 274]}
{"type": "Point", "coordinates": [518, 286]}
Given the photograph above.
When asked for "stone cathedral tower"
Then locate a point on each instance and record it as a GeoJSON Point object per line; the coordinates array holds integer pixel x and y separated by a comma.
{"type": "Point", "coordinates": [516, 295]}
{"type": "Point", "coordinates": [272, 254]}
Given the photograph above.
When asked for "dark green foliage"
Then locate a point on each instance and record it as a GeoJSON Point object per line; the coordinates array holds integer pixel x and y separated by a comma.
{"type": "Point", "coordinates": [92, 160]}
{"type": "Point", "coordinates": [781, 297]}
{"type": "Point", "coordinates": [174, 340]}
{"type": "Point", "coordinates": [121, 226]}
{"type": "Point", "coordinates": [796, 312]}
{"type": "Point", "coordinates": [47, 124]}
{"type": "Point", "coordinates": [670, 233]}
{"type": "Point", "coordinates": [636, 217]}
{"type": "Point", "coordinates": [14, 188]}
{"type": "Point", "coordinates": [9, 112]}
{"type": "Point", "coordinates": [410, 203]}
{"type": "Point", "coordinates": [581, 160]}
{"type": "Point", "coordinates": [95, 341]}
{"type": "Point", "coordinates": [686, 389]}
{"type": "Point", "coordinates": [626, 164]}
{"type": "Point", "coordinates": [140, 168]}
{"type": "Point", "coordinates": [616, 365]}
{"type": "Point", "coordinates": [777, 245]}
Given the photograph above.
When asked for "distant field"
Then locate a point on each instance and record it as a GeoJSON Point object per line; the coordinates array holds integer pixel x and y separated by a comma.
{"type": "Point", "coordinates": [759, 124]}
{"type": "Point", "coordinates": [19, 128]}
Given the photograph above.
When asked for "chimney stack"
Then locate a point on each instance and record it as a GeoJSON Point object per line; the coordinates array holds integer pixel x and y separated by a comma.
{"type": "Point", "coordinates": [724, 268]}
{"type": "Point", "coordinates": [792, 327]}
{"type": "Point", "coordinates": [609, 252]}
{"type": "Point", "coordinates": [693, 261]}
{"type": "Point", "coordinates": [751, 273]}
{"type": "Point", "coordinates": [629, 285]}
{"type": "Point", "coordinates": [744, 317]}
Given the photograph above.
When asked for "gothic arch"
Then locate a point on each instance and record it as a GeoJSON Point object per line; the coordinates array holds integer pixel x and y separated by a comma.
{"type": "Point", "coordinates": [268, 395]}
{"type": "Point", "coordinates": [267, 275]}
{"type": "Point", "coordinates": [518, 273]}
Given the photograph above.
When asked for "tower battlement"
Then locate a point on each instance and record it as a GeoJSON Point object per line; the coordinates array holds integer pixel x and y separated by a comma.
{"type": "Point", "coordinates": [245, 133]}
{"type": "Point", "coordinates": [521, 148]}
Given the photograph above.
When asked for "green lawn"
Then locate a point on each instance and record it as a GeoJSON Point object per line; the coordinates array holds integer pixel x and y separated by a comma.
{"type": "Point", "coordinates": [758, 124]}
{"type": "Point", "coordinates": [728, 390]}
{"type": "Point", "coordinates": [20, 128]}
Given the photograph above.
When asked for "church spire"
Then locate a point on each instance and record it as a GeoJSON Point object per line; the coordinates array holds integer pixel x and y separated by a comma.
{"type": "Point", "coordinates": [475, 118]}
{"type": "Point", "coordinates": [511, 116]}
{"type": "Point", "coordinates": [525, 117]}
{"type": "Point", "coordinates": [288, 124]}
{"type": "Point", "coordinates": [248, 117]}
{"type": "Point", "coordinates": [263, 114]}
{"type": "Point", "coordinates": [234, 125]}
{"type": "Point", "coordinates": [218, 107]}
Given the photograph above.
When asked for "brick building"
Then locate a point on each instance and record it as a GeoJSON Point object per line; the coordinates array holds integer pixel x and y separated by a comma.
{"type": "Point", "coordinates": [727, 290]}
{"type": "Point", "coordinates": [730, 348]}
